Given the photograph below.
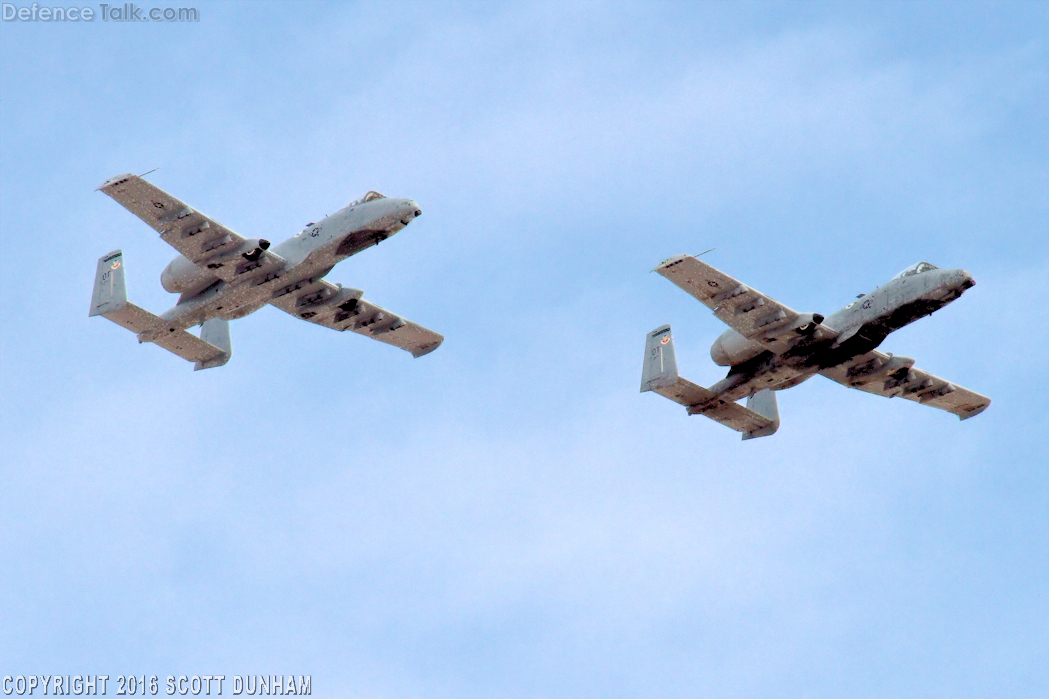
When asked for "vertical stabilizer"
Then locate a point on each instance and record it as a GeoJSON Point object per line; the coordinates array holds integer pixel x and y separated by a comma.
{"type": "Point", "coordinates": [110, 293]}
{"type": "Point", "coordinates": [215, 331]}
{"type": "Point", "coordinates": [660, 369]}
{"type": "Point", "coordinates": [109, 300]}
{"type": "Point", "coordinates": [764, 404]}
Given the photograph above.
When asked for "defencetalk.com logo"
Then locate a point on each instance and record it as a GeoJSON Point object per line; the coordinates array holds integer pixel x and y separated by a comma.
{"type": "Point", "coordinates": [126, 12]}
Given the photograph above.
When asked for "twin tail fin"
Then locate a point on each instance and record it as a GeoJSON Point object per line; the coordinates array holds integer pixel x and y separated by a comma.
{"type": "Point", "coordinates": [760, 418]}
{"type": "Point", "coordinates": [109, 300]}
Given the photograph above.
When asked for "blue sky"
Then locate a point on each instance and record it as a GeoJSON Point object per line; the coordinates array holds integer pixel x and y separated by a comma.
{"type": "Point", "coordinates": [508, 517]}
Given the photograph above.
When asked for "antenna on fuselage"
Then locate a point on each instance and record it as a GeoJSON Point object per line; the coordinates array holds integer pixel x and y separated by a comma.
{"type": "Point", "coordinates": [704, 252]}
{"type": "Point", "coordinates": [150, 172]}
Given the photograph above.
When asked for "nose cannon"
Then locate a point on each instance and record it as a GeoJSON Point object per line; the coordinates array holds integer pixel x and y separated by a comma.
{"type": "Point", "coordinates": [405, 211]}
{"type": "Point", "coordinates": [950, 286]}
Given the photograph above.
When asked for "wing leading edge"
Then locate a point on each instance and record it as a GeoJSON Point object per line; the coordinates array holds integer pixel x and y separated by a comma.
{"type": "Point", "coordinates": [333, 306]}
{"type": "Point", "coordinates": [201, 239]}
{"type": "Point", "coordinates": [885, 375]}
{"type": "Point", "coordinates": [749, 312]}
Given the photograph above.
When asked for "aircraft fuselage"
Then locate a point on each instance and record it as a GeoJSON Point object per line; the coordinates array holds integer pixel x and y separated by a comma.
{"type": "Point", "coordinates": [307, 256]}
{"type": "Point", "coordinates": [857, 329]}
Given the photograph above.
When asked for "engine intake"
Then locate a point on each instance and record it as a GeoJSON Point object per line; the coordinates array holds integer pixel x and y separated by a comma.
{"type": "Point", "coordinates": [260, 246]}
{"type": "Point", "coordinates": [807, 323]}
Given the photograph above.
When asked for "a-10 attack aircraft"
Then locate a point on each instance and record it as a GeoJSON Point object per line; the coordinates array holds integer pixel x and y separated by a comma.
{"type": "Point", "coordinates": [769, 347]}
{"type": "Point", "coordinates": [222, 276]}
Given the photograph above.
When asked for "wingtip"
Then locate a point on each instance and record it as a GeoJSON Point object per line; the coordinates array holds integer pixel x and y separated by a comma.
{"type": "Point", "coordinates": [669, 262]}
{"type": "Point", "coordinates": [427, 349]}
{"type": "Point", "coordinates": [115, 180]}
{"type": "Point", "coordinates": [975, 411]}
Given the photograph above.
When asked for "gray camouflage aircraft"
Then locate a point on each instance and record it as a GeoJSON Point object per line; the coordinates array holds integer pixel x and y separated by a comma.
{"type": "Point", "coordinates": [769, 347]}
{"type": "Point", "coordinates": [222, 276]}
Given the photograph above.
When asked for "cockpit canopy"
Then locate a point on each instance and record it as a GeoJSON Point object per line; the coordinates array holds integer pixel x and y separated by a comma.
{"type": "Point", "coordinates": [915, 269]}
{"type": "Point", "coordinates": [370, 196]}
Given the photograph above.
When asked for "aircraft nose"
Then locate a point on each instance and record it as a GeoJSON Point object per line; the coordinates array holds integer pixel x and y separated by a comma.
{"type": "Point", "coordinates": [965, 280]}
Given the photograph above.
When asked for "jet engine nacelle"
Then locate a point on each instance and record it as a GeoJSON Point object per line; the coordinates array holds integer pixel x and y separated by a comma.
{"type": "Point", "coordinates": [182, 276]}
{"type": "Point", "coordinates": [252, 249]}
{"type": "Point", "coordinates": [807, 323]}
{"type": "Point", "coordinates": [731, 348]}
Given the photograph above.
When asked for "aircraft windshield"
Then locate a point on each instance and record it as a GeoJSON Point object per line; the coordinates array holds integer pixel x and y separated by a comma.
{"type": "Point", "coordinates": [915, 269]}
{"type": "Point", "coordinates": [370, 196]}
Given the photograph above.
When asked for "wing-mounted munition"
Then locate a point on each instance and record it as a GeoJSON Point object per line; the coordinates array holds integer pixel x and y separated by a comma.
{"type": "Point", "coordinates": [769, 347]}
{"type": "Point", "coordinates": [221, 276]}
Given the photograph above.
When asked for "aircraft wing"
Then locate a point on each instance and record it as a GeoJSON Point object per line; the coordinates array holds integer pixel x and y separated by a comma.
{"type": "Point", "coordinates": [338, 308]}
{"type": "Point", "coordinates": [203, 240]}
{"type": "Point", "coordinates": [749, 312]}
{"type": "Point", "coordinates": [889, 376]}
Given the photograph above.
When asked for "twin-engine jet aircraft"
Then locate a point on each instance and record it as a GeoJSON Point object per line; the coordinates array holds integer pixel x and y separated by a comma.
{"type": "Point", "coordinates": [769, 347]}
{"type": "Point", "coordinates": [222, 276]}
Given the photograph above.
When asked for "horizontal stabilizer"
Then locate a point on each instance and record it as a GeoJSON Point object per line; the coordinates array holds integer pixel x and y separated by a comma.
{"type": "Point", "coordinates": [109, 300]}
{"type": "Point", "coordinates": [659, 375]}
{"type": "Point", "coordinates": [737, 417]}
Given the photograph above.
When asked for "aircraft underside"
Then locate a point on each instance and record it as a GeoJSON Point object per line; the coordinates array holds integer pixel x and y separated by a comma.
{"type": "Point", "coordinates": [808, 357]}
